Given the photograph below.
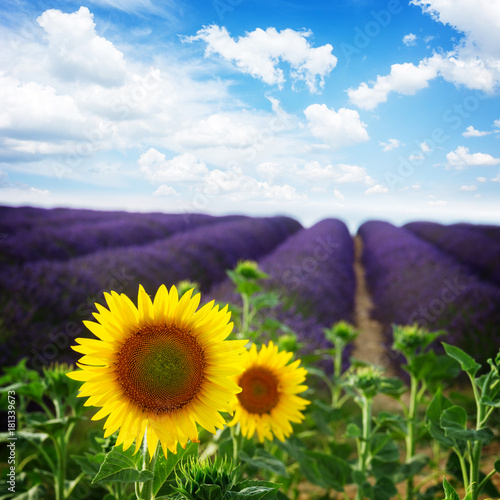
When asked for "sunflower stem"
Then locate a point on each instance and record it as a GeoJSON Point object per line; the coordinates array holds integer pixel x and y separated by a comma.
{"type": "Point", "coordinates": [149, 463]}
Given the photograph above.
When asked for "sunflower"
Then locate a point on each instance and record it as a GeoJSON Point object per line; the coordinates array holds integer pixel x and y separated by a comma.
{"type": "Point", "coordinates": [159, 369]}
{"type": "Point", "coordinates": [268, 401]}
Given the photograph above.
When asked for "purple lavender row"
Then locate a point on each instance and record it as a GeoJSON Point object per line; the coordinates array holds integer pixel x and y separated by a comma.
{"type": "Point", "coordinates": [80, 236]}
{"type": "Point", "coordinates": [467, 243]}
{"type": "Point", "coordinates": [313, 270]}
{"type": "Point", "coordinates": [14, 219]}
{"type": "Point", "coordinates": [411, 281]}
{"type": "Point", "coordinates": [44, 302]}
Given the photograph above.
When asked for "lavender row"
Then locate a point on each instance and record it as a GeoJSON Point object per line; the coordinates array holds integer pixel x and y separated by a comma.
{"type": "Point", "coordinates": [81, 236]}
{"type": "Point", "coordinates": [45, 302]}
{"type": "Point", "coordinates": [470, 244]}
{"type": "Point", "coordinates": [411, 280]}
{"type": "Point", "coordinates": [313, 271]}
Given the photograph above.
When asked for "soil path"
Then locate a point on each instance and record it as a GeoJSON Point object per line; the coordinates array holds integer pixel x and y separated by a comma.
{"type": "Point", "coordinates": [370, 344]}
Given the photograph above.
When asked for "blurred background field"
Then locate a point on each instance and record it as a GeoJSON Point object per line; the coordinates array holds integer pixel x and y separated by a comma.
{"type": "Point", "coordinates": [56, 263]}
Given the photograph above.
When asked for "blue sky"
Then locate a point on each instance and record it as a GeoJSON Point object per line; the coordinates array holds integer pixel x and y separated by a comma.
{"type": "Point", "coordinates": [357, 109]}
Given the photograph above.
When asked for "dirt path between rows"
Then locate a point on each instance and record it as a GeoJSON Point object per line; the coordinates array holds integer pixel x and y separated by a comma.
{"type": "Point", "coordinates": [370, 345]}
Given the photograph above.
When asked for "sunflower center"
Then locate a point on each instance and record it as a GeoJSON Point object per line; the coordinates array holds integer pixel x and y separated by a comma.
{"type": "Point", "coordinates": [160, 368]}
{"type": "Point", "coordinates": [259, 390]}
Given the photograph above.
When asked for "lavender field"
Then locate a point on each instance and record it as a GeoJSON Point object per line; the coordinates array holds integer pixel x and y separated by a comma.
{"type": "Point", "coordinates": [56, 263]}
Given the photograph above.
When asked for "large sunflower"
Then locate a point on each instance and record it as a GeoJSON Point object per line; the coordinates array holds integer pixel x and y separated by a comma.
{"type": "Point", "coordinates": [160, 368]}
{"type": "Point", "coordinates": [268, 402]}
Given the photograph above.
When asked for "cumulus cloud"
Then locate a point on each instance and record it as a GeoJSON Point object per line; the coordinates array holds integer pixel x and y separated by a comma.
{"type": "Point", "coordinates": [377, 189]}
{"type": "Point", "coordinates": [342, 174]}
{"type": "Point", "coordinates": [470, 131]}
{"type": "Point", "coordinates": [338, 195]}
{"type": "Point", "coordinates": [474, 62]}
{"type": "Point", "coordinates": [76, 51]}
{"type": "Point", "coordinates": [181, 168]}
{"type": "Point", "coordinates": [437, 203]}
{"type": "Point", "coordinates": [38, 109]}
{"type": "Point", "coordinates": [478, 20]}
{"type": "Point", "coordinates": [461, 159]}
{"type": "Point", "coordinates": [496, 179]}
{"type": "Point", "coordinates": [410, 39]}
{"type": "Point", "coordinates": [259, 53]}
{"type": "Point", "coordinates": [404, 79]}
{"type": "Point", "coordinates": [390, 144]}
{"type": "Point", "coordinates": [165, 190]}
{"type": "Point", "coordinates": [468, 188]}
{"type": "Point", "coordinates": [336, 128]}
{"type": "Point", "coordinates": [241, 186]}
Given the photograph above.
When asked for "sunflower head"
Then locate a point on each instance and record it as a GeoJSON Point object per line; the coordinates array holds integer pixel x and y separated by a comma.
{"type": "Point", "coordinates": [159, 368]}
{"type": "Point", "coordinates": [268, 401]}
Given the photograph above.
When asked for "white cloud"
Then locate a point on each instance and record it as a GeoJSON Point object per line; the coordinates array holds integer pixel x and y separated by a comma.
{"type": "Point", "coordinates": [165, 190]}
{"type": "Point", "coordinates": [240, 186]}
{"type": "Point", "coordinates": [341, 173]}
{"type": "Point", "coordinates": [37, 109]}
{"type": "Point", "coordinates": [496, 123]}
{"type": "Point", "coordinates": [404, 79]}
{"type": "Point", "coordinates": [338, 195]}
{"type": "Point", "coordinates": [496, 179]}
{"type": "Point", "coordinates": [461, 158]}
{"type": "Point", "coordinates": [77, 53]}
{"type": "Point", "coordinates": [437, 203]}
{"type": "Point", "coordinates": [181, 168]}
{"type": "Point", "coordinates": [259, 53]}
{"type": "Point", "coordinates": [390, 144]}
{"type": "Point", "coordinates": [472, 132]}
{"type": "Point", "coordinates": [468, 188]}
{"type": "Point", "coordinates": [481, 179]}
{"type": "Point", "coordinates": [218, 129]}
{"type": "Point", "coordinates": [425, 148]}
{"type": "Point", "coordinates": [478, 20]}
{"type": "Point", "coordinates": [410, 39]}
{"type": "Point", "coordinates": [474, 62]}
{"type": "Point", "coordinates": [336, 128]}
{"type": "Point", "coordinates": [418, 157]}
{"type": "Point", "coordinates": [377, 189]}
{"type": "Point", "coordinates": [269, 170]}
{"type": "Point", "coordinates": [39, 192]}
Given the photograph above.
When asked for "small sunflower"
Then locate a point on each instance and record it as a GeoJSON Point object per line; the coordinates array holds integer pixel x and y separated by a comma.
{"type": "Point", "coordinates": [160, 368]}
{"type": "Point", "coordinates": [268, 401]}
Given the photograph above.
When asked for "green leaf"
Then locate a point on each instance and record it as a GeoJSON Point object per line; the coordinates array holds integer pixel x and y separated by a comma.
{"type": "Point", "coordinates": [353, 431]}
{"type": "Point", "coordinates": [384, 448]}
{"type": "Point", "coordinates": [433, 414]}
{"type": "Point", "coordinates": [165, 465]}
{"type": "Point", "coordinates": [467, 363]}
{"type": "Point", "coordinates": [454, 423]}
{"type": "Point", "coordinates": [263, 460]}
{"type": "Point", "coordinates": [325, 470]}
{"type": "Point", "coordinates": [122, 466]}
{"type": "Point", "coordinates": [392, 386]}
{"type": "Point", "coordinates": [449, 491]}
{"type": "Point", "coordinates": [255, 490]}
{"type": "Point", "coordinates": [384, 489]}
{"type": "Point", "coordinates": [497, 465]}
{"type": "Point", "coordinates": [90, 464]}
{"type": "Point", "coordinates": [209, 492]}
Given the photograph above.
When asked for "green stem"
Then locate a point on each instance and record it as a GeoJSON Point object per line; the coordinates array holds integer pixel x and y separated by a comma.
{"type": "Point", "coordinates": [148, 464]}
{"type": "Point", "coordinates": [244, 313]}
{"type": "Point", "coordinates": [364, 448]}
{"type": "Point", "coordinates": [337, 372]}
{"type": "Point", "coordinates": [236, 443]}
{"type": "Point", "coordinates": [463, 467]}
{"type": "Point", "coordinates": [485, 480]}
{"type": "Point", "coordinates": [411, 435]}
